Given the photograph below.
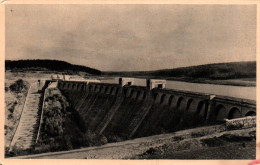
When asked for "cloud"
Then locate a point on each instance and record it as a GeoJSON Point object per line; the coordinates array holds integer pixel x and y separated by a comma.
{"type": "Point", "coordinates": [132, 37]}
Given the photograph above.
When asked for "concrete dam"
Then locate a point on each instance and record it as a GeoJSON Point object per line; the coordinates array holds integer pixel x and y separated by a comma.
{"type": "Point", "coordinates": [129, 111]}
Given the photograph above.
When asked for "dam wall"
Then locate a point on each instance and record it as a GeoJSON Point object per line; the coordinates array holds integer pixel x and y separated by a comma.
{"type": "Point", "coordinates": [127, 111]}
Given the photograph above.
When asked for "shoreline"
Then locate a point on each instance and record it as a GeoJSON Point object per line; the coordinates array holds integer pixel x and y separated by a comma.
{"type": "Point", "coordinates": [231, 82]}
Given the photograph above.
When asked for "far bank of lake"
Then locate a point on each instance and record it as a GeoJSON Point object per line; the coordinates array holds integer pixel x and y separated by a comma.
{"type": "Point", "coordinates": [244, 92]}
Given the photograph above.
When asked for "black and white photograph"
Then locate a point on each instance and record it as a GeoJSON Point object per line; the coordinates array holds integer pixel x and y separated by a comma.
{"type": "Point", "coordinates": [130, 81]}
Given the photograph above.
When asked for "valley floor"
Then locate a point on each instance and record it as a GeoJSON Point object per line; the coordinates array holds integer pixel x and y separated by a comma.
{"type": "Point", "coordinates": [187, 144]}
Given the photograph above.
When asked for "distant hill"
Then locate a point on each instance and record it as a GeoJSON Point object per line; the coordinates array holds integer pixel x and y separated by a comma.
{"type": "Point", "coordinates": [53, 65]}
{"type": "Point", "coordinates": [216, 71]}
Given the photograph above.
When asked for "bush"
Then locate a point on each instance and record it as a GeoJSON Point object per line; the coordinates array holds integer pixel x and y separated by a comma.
{"type": "Point", "coordinates": [234, 126]}
{"type": "Point", "coordinates": [150, 151]}
{"type": "Point", "coordinates": [253, 134]}
{"type": "Point", "coordinates": [19, 86]}
{"type": "Point", "coordinates": [18, 151]}
{"type": "Point", "coordinates": [213, 142]}
{"type": "Point", "coordinates": [236, 138]}
{"type": "Point", "coordinates": [191, 120]}
{"type": "Point", "coordinates": [114, 138]}
{"type": "Point", "coordinates": [177, 138]}
{"type": "Point", "coordinates": [11, 109]}
{"type": "Point", "coordinates": [197, 134]}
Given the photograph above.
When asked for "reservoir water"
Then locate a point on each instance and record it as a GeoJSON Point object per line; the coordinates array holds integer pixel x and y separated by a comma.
{"type": "Point", "coordinates": [223, 90]}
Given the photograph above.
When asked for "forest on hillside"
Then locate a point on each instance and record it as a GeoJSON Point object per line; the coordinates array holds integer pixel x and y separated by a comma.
{"type": "Point", "coordinates": [216, 71]}
{"type": "Point", "coordinates": [53, 65]}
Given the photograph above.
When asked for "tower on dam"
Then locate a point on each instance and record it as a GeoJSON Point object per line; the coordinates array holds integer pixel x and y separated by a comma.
{"type": "Point", "coordinates": [126, 81]}
{"type": "Point", "coordinates": [155, 83]}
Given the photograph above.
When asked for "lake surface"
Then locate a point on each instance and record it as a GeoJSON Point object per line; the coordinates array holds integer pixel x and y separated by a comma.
{"type": "Point", "coordinates": [224, 90]}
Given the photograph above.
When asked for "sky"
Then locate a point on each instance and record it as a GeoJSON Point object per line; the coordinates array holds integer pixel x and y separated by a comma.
{"type": "Point", "coordinates": [132, 37]}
